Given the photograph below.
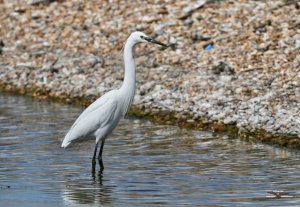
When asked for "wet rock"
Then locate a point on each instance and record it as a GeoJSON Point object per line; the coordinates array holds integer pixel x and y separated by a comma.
{"type": "Point", "coordinates": [223, 68]}
{"type": "Point", "coordinates": [1, 46]}
{"type": "Point", "coordinates": [262, 27]}
{"type": "Point", "coordinates": [199, 37]}
{"type": "Point", "coordinates": [188, 22]}
{"type": "Point", "coordinates": [37, 2]}
{"type": "Point", "coordinates": [20, 10]}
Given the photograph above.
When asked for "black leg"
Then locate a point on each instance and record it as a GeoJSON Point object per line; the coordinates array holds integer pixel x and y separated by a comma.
{"type": "Point", "coordinates": [94, 159]}
{"type": "Point", "coordinates": [101, 165]}
{"type": "Point", "coordinates": [100, 156]}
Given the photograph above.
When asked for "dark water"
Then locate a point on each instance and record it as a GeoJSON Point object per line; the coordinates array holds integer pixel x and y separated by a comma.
{"type": "Point", "coordinates": [146, 164]}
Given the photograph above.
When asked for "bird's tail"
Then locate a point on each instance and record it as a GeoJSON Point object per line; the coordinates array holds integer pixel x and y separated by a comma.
{"type": "Point", "coordinates": [67, 141]}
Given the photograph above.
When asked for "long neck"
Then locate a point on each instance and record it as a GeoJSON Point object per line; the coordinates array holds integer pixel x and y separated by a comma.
{"type": "Point", "coordinates": [128, 86]}
{"type": "Point", "coordinates": [129, 78]}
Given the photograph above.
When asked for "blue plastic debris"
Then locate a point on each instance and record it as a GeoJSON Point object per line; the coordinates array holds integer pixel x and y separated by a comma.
{"type": "Point", "coordinates": [208, 47]}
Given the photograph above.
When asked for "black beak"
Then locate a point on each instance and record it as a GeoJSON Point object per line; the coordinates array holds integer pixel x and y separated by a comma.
{"type": "Point", "coordinates": [155, 41]}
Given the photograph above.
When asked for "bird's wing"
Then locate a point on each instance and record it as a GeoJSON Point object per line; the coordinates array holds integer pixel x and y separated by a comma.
{"type": "Point", "coordinates": [95, 105]}
{"type": "Point", "coordinates": [93, 118]}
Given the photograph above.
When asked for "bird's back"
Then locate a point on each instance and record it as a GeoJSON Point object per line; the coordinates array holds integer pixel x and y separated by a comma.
{"type": "Point", "coordinates": [98, 120]}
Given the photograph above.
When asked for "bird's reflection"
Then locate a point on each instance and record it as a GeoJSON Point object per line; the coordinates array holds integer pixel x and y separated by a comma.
{"type": "Point", "coordinates": [97, 176]}
{"type": "Point", "coordinates": [94, 167]}
{"type": "Point", "coordinates": [89, 191]}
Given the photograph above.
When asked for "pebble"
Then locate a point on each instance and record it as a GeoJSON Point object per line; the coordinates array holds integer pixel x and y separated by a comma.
{"type": "Point", "coordinates": [37, 2]}
{"type": "Point", "coordinates": [230, 61]}
{"type": "Point", "coordinates": [159, 29]}
{"type": "Point", "coordinates": [188, 22]}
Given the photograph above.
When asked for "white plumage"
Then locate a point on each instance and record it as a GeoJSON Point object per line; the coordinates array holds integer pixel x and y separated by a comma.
{"type": "Point", "coordinates": [96, 120]}
{"type": "Point", "coordinates": [102, 116]}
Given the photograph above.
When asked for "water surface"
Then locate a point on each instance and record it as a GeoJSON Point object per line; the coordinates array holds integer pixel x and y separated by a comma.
{"type": "Point", "coordinates": [145, 164]}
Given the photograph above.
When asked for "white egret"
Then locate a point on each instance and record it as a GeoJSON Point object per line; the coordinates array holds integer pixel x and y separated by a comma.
{"type": "Point", "coordinates": [102, 116]}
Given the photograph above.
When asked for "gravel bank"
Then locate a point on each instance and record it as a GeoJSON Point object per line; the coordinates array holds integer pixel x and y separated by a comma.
{"type": "Point", "coordinates": [234, 63]}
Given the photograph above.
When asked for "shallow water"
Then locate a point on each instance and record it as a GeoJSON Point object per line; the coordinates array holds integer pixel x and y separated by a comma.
{"type": "Point", "coordinates": [145, 164]}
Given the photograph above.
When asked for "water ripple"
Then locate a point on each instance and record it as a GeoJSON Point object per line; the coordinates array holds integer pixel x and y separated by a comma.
{"type": "Point", "coordinates": [146, 164]}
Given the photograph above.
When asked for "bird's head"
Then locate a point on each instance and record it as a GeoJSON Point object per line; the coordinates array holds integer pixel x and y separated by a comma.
{"type": "Point", "coordinates": [142, 37]}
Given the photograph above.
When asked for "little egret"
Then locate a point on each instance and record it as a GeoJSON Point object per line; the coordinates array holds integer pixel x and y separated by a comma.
{"type": "Point", "coordinates": [101, 117]}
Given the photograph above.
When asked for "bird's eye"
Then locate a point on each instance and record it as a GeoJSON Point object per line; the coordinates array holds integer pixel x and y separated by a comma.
{"type": "Point", "coordinates": [142, 37]}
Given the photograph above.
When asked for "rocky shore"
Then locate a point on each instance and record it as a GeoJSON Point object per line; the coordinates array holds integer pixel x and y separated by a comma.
{"type": "Point", "coordinates": [232, 65]}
